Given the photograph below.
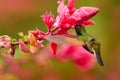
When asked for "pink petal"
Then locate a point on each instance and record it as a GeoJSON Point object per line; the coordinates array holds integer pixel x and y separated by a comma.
{"type": "Point", "coordinates": [38, 32]}
{"type": "Point", "coordinates": [89, 11]}
{"type": "Point", "coordinates": [5, 44]}
{"type": "Point", "coordinates": [54, 47]}
{"type": "Point", "coordinates": [23, 46]}
{"type": "Point", "coordinates": [39, 44]}
{"type": "Point", "coordinates": [60, 6]}
{"type": "Point", "coordinates": [48, 19]}
{"type": "Point", "coordinates": [88, 22]}
{"type": "Point", "coordinates": [83, 59]}
{"type": "Point", "coordinates": [66, 52]}
{"type": "Point", "coordinates": [71, 4]}
{"type": "Point", "coordinates": [61, 19]}
{"type": "Point", "coordinates": [86, 12]}
{"type": "Point", "coordinates": [5, 41]}
{"type": "Point", "coordinates": [56, 24]}
{"type": "Point", "coordinates": [62, 31]}
{"type": "Point", "coordinates": [83, 14]}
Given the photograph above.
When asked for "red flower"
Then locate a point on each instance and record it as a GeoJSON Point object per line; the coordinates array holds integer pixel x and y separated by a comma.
{"type": "Point", "coordinates": [54, 47]}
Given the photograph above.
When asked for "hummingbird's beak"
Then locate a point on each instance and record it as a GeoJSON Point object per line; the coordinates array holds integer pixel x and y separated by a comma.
{"type": "Point", "coordinates": [99, 59]}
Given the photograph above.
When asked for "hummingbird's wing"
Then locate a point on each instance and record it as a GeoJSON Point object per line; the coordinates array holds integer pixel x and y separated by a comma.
{"type": "Point", "coordinates": [63, 40]}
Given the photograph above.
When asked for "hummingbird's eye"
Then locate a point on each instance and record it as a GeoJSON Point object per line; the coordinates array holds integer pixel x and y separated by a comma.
{"type": "Point", "coordinates": [92, 39]}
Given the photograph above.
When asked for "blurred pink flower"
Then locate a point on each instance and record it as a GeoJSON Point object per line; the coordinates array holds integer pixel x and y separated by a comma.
{"type": "Point", "coordinates": [51, 76]}
{"type": "Point", "coordinates": [16, 6]}
{"type": "Point", "coordinates": [13, 66]}
{"type": "Point", "coordinates": [5, 41]}
{"type": "Point", "coordinates": [82, 58]}
{"type": "Point", "coordinates": [113, 74]}
{"type": "Point", "coordinates": [43, 56]}
{"type": "Point", "coordinates": [23, 46]}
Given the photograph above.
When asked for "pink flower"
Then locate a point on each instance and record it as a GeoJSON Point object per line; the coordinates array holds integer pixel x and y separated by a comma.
{"type": "Point", "coordinates": [35, 38]}
{"type": "Point", "coordinates": [5, 41]}
{"type": "Point", "coordinates": [48, 20]}
{"type": "Point", "coordinates": [14, 67]}
{"type": "Point", "coordinates": [82, 58]}
{"type": "Point", "coordinates": [68, 16]}
{"type": "Point", "coordinates": [23, 47]}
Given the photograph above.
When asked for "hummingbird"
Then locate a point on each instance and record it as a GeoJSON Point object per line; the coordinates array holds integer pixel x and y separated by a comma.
{"type": "Point", "coordinates": [81, 39]}
{"type": "Point", "coordinates": [90, 42]}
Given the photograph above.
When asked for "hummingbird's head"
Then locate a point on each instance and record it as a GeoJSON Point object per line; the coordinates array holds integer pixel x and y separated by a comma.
{"type": "Point", "coordinates": [95, 44]}
{"type": "Point", "coordinates": [92, 46]}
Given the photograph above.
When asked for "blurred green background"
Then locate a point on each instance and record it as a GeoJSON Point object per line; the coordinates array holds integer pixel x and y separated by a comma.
{"type": "Point", "coordinates": [23, 15]}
